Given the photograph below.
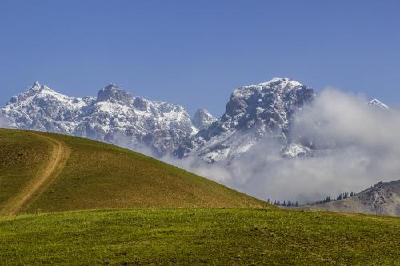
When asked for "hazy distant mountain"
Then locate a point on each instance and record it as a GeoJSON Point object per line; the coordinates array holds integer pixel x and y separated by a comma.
{"type": "Point", "coordinates": [383, 199]}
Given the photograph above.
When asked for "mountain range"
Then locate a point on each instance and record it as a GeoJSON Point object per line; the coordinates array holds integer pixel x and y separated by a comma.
{"type": "Point", "coordinates": [113, 116]}
{"type": "Point", "coordinates": [158, 128]}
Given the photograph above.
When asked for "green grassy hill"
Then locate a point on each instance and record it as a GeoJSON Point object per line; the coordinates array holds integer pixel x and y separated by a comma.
{"type": "Point", "coordinates": [175, 217]}
{"type": "Point", "coordinates": [199, 237]}
{"type": "Point", "coordinates": [41, 172]}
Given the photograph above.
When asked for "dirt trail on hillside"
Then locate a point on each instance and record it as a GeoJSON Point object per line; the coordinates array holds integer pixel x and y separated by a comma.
{"type": "Point", "coordinates": [58, 157]}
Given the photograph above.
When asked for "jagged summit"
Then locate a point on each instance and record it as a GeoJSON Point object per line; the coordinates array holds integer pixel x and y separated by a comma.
{"type": "Point", "coordinates": [38, 88]}
{"type": "Point", "coordinates": [252, 112]}
{"type": "Point", "coordinates": [113, 93]}
{"type": "Point", "coordinates": [202, 119]}
{"type": "Point", "coordinates": [266, 97]}
{"type": "Point", "coordinates": [36, 85]}
{"type": "Point", "coordinates": [283, 81]}
{"type": "Point", "coordinates": [39, 94]}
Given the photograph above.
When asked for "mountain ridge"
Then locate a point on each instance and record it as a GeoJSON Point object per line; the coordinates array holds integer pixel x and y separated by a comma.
{"type": "Point", "coordinates": [382, 198]}
{"type": "Point", "coordinates": [253, 113]}
{"type": "Point", "coordinates": [113, 116]}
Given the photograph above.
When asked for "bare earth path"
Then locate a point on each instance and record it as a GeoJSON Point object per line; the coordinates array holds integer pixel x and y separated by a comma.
{"type": "Point", "coordinates": [59, 155]}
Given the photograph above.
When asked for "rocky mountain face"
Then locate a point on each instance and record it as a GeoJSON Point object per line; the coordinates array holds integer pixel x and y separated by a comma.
{"type": "Point", "coordinates": [383, 199]}
{"type": "Point", "coordinates": [113, 116]}
{"type": "Point", "coordinates": [202, 119]}
{"type": "Point", "coordinates": [252, 113]}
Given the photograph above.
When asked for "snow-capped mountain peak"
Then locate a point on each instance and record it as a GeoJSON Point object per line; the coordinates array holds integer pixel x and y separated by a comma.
{"type": "Point", "coordinates": [36, 86]}
{"type": "Point", "coordinates": [202, 119]}
{"type": "Point", "coordinates": [36, 89]}
{"type": "Point", "coordinates": [256, 102]}
{"type": "Point", "coordinates": [252, 113]}
{"type": "Point", "coordinates": [38, 93]}
{"type": "Point", "coordinates": [284, 82]}
{"type": "Point", "coordinates": [379, 104]}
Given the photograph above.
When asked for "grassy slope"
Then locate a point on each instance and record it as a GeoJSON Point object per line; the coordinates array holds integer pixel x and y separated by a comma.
{"type": "Point", "coordinates": [99, 175]}
{"type": "Point", "coordinates": [20, 159]}
{"type": "Point", "coordinates": [200, 236]}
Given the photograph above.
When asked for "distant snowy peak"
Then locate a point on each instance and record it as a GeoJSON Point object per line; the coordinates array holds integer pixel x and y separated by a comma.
{"type": "Point", "coordinates": [42, 108]}
{"type": "Point", "coordinates": [33, 91]}
{"type": "Point", "coordinates": [38, 91]}
{"type": "Point", "coordinates": [252, 113]}
{"type": "Point", "coordinates": [202, 119]}
{"type": "Point", "coordinates": [379, 104]}
{"type": "Point", "coordinates": [36, 87]}
{"type": "Point", "coordinates": [281, 82]}
{"type": "Point", "coordinates": [257, 102]}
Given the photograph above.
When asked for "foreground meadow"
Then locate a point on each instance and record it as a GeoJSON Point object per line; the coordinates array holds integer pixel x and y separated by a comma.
{"type": "Point", "coordinates": [199, 236]}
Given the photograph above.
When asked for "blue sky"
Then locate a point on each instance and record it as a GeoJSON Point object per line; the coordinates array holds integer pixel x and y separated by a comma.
{"type": "Point", "coordinates": [196, 52]}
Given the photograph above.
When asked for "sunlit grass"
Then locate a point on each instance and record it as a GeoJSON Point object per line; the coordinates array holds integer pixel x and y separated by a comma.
{"type": "Point", "coordinates": [99, 175]}
{"type": "Point", "coordinates": [200, 236]}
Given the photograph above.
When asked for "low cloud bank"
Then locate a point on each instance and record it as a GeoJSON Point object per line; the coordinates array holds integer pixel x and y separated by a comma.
{"type": "Point", "coordinates": [357, 145]}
